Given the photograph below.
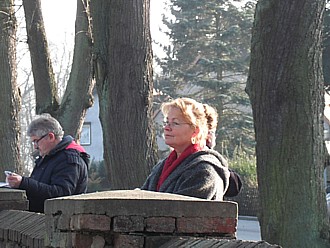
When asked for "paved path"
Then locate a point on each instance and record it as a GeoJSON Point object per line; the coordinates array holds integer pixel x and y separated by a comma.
{"type": "Point", "coordinates": [248, 228]}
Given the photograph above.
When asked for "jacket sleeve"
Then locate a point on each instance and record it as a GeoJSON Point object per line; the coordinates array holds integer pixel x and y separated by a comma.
{"type": "Point", "coordinates": [64, 180]}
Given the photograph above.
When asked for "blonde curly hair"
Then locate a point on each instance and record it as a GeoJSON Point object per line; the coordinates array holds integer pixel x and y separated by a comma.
{"type": "Point", "coordinates": [193, 112]}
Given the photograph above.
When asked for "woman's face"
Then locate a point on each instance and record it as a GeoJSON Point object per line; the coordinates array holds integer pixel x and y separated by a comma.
{"type": "Point", "coordinates": [177, 131]}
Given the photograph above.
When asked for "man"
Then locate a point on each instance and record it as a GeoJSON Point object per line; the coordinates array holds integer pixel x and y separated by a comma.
{"type": "Point", "coordinates": [60, 168]}
{"type": "Point", "coordinates": [235, 182]}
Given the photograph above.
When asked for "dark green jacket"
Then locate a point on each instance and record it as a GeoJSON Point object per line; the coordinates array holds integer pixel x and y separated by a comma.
{"type": "Point", "coordinates": [203, 174]}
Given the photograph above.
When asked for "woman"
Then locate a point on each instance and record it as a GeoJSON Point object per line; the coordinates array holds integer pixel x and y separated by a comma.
{"type": "Point", "coordinates": [191, 169]}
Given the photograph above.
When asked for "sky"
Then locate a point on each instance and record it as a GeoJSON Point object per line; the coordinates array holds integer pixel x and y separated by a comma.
{"type": "Point", "coordinates": [59, 21]}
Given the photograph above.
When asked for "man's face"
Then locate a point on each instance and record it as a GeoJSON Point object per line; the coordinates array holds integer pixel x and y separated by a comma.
{"type": "Point", "coordinates": [44, 144]}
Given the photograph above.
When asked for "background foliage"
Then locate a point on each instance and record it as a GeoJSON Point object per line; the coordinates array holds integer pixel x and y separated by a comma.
{"type": "Point", "coordinates": [208, 60]}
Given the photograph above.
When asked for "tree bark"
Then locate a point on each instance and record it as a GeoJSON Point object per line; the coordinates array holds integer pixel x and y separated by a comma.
{"type": "Point", "coordinates": [78, 94]}
{"type": "Point", "coordinates": [9, 94]}
{"type": "Point", "coordinates": [124, 85]}
{"type": "Point", "coordinates": [285, 86]}
{"type": "Point", "coordinates": [43, 74]}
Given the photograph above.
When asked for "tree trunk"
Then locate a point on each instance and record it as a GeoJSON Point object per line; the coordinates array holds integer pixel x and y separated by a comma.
{"type": "Point", "coordinates": [78, 94]}
{"type": "Point", "coordinates": [43, 74]}
{"type": "Point", "coordinates": [285, 86]}
{"type": "Point", "coordinates": [124, 85]}
{"type": "Point", "coordinates": [9, 94]}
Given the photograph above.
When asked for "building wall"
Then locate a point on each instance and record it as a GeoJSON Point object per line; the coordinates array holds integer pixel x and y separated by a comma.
{"type": "Point", "coordinates": [92, 136]}
{"type": "Point", "coordinates": [326, 126]}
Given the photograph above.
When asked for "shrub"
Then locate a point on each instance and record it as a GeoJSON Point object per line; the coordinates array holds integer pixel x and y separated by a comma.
{"type": "Point", "coordinates": [97, 180]}
{"type": "Point", "coordinates": [245, 165]}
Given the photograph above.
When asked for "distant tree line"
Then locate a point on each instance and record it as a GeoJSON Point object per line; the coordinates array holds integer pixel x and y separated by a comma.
{"type": "Point", "coordinates": [208, 59]}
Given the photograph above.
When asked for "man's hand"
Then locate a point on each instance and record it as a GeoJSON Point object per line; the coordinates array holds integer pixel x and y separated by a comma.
{"type": "Point", "coordinates": [14, 180]}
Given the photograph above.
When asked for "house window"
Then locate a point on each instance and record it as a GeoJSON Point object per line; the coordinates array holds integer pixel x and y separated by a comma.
{"type": "Point", "coordinates": [85, 138]}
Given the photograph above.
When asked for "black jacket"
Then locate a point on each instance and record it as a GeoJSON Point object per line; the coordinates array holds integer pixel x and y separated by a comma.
{"type": "Point", "coordinates": [62, 172]}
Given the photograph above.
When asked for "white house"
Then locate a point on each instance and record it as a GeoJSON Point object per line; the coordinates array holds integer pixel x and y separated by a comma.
{"type": "Point", "coordinates": [91, 135]}
{"type": "Point", "coordinates": [327, 134]}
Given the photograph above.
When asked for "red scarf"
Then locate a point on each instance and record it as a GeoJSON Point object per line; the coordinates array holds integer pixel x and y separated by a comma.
{"type": "Point", "coordinates": [173, 161]}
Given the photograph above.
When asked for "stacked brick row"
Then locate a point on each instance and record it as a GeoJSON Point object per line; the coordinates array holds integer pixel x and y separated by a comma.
{"type": "Point", "coordinates": [86, 230]}
{"type": "Point", "coordinates": [21, 229]}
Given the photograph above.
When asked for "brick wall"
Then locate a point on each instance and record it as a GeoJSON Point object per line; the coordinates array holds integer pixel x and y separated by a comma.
{"type": "Point", "coordinates": [129, 218]}
{"type": "Point", "coordinates": [13, 199]}
{"type": "Point", "coordinates": [135, 218]}
{"type": "Point", "coordinates": [21, 229]}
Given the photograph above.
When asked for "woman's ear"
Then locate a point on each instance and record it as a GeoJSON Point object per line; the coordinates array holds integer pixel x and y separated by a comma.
{"type": "Point", "coordinates": [195, 135]}
{"type": "Point", "coordinates": [196, 132]}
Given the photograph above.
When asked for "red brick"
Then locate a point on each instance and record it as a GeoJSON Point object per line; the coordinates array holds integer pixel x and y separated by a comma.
{"type": "Point", "coordinates": [82, 241]}
{"type": "Point", "coordinates": [90, 222]}
{"type": "Point", "coordinates": [128, 241]}
{"type": "Point", "coordinates": [160, 224]}
{"type": "Point", "coordinates": [128, 224]}
{"type": "Point", "coordinates": [206, 225]}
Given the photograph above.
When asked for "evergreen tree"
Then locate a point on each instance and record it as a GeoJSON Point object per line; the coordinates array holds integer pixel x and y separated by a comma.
{"type": "Point", "coordinates": [209, 59]}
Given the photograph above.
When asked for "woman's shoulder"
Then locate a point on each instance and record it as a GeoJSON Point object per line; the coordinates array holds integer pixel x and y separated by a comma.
{"type": "Point", "coordinates": [159, 164]}
{"type": "Point", "coordinates": [209, 156]}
